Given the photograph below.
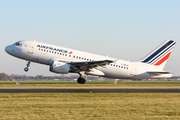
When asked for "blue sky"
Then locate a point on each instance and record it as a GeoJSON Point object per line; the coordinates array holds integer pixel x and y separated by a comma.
{"type": "Point", "coordinates": [126, 30]}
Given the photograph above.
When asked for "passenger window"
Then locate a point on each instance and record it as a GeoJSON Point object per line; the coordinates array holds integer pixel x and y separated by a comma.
{"type": "Point", "coordinates": [116, 65]}
{"type": "Point", "coordinates": [79, 57]}
{"type": "Point", "coordinates": [69, 55]}
{"type": "Point", "coordinates": [74, 56]}
{"type": "Point", "coordinates": [84, 58]}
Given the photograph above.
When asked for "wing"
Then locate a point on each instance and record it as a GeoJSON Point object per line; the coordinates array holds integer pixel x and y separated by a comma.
{"type": "Point", "coordinates": [84, 65]}
{"type": "Point", "coordinates": [87, 65]}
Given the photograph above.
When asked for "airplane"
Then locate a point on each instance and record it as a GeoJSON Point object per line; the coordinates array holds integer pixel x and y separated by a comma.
{"type": "Point", "coordinates": [64, 60]}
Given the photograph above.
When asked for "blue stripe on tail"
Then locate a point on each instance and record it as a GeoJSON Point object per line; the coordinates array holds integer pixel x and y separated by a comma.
{"type": "Point", "coordinates": [158, 51]}
{"type": "Point", "coordinates": [168, 49]}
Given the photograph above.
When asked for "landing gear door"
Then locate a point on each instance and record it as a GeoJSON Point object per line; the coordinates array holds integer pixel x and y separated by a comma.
{"type": "Point", "coordinates": [31, 47]}
{"type": "Point", "coordinates": [134, 70]}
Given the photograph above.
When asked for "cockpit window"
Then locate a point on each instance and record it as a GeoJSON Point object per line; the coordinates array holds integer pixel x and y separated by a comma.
{"type": "Point", "coordinates": [18, 44]}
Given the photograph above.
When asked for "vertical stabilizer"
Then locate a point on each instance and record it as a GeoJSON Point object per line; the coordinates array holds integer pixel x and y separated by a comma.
{"type": "Point", "coordinates": [159, 56]}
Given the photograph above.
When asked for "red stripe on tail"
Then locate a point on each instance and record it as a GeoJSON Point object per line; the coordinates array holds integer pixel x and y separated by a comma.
{"type": "Point", "coordinates": [163, 59]}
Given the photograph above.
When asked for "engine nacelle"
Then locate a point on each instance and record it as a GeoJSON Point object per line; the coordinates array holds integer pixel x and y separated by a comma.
{"type": "Point", "coordinates": [60, 67]}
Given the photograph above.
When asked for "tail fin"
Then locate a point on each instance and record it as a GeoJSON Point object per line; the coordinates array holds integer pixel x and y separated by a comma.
{"type": "Point", "coordinates": [160, 55]}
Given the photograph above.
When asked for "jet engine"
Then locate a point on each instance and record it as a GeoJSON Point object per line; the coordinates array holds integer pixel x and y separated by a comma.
{"type": "Point", "coordinates": [60, 67]}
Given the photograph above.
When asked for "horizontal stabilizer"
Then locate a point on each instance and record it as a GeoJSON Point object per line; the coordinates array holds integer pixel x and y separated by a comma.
{"type": "Point", "coordinates": [158, 72]}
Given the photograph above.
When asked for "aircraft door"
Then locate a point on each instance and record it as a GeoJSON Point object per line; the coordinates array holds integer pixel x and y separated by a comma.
{"type": "Point", "coordinates": [31, 47]}
{"type": "Point", "coordinates": [134, 70]}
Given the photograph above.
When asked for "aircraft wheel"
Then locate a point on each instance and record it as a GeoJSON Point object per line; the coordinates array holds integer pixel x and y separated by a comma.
{"type": "Point", "coordinates": [83, 80]}
{"type": "Point", "coordinates": [26, 69]}
{"type": "Point", "coordinates": [79, 80]}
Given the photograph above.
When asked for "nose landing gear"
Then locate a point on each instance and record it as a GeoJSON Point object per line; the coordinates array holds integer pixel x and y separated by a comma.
{"type": "Point", "coordinates": [81, 79]}
{"type": "Point", "coordinates": [26, 69]}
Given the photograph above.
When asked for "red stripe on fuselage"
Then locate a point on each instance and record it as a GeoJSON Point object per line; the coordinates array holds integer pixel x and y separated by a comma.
{"type": "Point", "coordinates": [163, 59]}
{"type": "Point", "coordinates": [70, 52]}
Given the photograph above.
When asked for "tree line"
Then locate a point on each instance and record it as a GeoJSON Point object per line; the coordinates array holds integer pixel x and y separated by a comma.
{"type": "Point", "coordinates": [3, 76]}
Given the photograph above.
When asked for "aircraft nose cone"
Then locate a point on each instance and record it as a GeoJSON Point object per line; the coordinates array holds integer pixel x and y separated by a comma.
{"type": "Point", "coordinates": [7, 49]}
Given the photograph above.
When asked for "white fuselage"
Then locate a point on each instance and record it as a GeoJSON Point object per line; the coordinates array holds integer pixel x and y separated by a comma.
{"type": "Point", "coordinates": [44, 54]}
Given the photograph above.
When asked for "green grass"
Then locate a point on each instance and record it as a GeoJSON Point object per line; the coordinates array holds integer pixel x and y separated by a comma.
{"type": "Point", "coordinates": [54, 82]}
{"type": "Point", "coordinates": [90, 85]}
{"type": "Point", "coordinates": [90, 106]}
{"type": "Point", "coordinates": [91, 82]}
{"type": "Point", "coordinates": [151, 82]}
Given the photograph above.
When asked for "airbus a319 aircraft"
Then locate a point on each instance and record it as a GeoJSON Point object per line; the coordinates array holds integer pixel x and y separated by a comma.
{"type": "Point", "coordinates": [64, 60]}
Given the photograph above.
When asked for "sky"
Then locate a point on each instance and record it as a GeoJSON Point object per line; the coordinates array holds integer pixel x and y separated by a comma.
{"type": "Point", "coordinates": [124, 29]}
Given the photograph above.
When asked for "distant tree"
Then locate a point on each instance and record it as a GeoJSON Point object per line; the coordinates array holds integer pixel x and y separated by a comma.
{"type": "Point", "coordinates": [3, 76]}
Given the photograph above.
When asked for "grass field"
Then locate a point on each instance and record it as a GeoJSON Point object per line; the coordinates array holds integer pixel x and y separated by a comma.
{"type": "Point", "coordinates": [90, 106]}
{"type": "Point", "coordinates": [91, 85]}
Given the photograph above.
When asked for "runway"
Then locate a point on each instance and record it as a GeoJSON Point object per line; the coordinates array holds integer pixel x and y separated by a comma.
{"type": "Point", "coordinates": [89, 90]}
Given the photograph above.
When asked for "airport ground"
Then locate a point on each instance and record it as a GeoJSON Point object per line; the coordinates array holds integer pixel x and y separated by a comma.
{"type": "Point", "coordinates": [91, 105]}
{"type": "Point", "coordinates": [90, 85]}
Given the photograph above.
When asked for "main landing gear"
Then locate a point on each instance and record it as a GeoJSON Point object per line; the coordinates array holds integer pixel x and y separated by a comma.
{"type": "Point", "coordinates": [27, 68]}
{"type": "Point", "coordinates": [81, 79]}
